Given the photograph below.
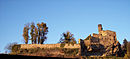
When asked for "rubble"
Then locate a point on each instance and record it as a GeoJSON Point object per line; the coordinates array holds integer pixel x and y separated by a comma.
{"type": "Point", "coordinates": [103, 44]}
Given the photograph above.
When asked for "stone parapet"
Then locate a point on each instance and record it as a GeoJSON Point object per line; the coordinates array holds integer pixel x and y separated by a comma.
{"type": "Point", "coordinates": [28, 46]}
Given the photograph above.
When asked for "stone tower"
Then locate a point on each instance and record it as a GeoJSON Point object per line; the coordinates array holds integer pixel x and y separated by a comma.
{"type": "Point", "coordinates": [100, 27]}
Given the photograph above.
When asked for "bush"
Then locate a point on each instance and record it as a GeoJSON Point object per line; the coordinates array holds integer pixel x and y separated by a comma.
{"type": "Point", "coordinates": [9, 46]}
{"type": "Point", "coordinates": [15, 48]}
{"type": "Point", "coordinates": [68, 51]}
{"type": "Point", "coordinates": [62, 45]}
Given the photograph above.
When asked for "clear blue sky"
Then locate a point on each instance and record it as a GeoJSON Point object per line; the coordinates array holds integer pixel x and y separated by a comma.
{"type": "Point", "coordinates": [80, 17]}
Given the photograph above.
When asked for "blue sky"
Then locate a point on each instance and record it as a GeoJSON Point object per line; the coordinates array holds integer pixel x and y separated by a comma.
{"type": "Point", "coordinates": [80, 17]}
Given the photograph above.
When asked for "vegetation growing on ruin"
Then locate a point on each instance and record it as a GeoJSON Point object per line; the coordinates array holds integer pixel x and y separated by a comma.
{"type": "Point", "coordinates": [69, 51]}
{"type": "Point", "coordinates": [62, 45]}
{"type": "Point", "coordinates": [38, 36]}
{"type": "Point", "coordinates": [67, 38]}
{"type": "Point", "coordinates": [45, 51]}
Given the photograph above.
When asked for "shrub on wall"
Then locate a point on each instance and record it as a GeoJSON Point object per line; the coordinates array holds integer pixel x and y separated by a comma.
{"type": "Point", "coordinates": [62, 45]}
{"type": "Point", "coordinates": [69, 51]}
{"type": "Point", "coordinates": [15, 48]}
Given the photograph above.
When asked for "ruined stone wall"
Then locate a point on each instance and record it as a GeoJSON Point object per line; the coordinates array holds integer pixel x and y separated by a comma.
{"type": "Point", "coordinates": [87, 42]}
{"type": "Point", "coordinates": [95, 35]}
{"type": "Point", "coordinates": [72, 46]}
{"type": "Point", "coordinates": [28, 46]}
{"type": "Point", "coordinates": [104, 43]}
{"type": "Point", "coordinates": [107, 37]}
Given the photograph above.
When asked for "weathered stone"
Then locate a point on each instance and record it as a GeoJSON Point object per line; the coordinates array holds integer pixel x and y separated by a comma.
{"type": "Point", "coordinates": [105, 43]}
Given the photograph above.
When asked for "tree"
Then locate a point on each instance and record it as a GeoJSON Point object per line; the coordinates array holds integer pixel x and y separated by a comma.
{"type": "Point", "coordinates": [128, 49]}
{"type": "Point", "coordinates": [43, 32]}
{"type": "Point", "coordinates": [125, 46]}
{"type": "Point", "coordinates": [25, 33]}
{"type": "Point", "coordinates": [32, 32]}
{"type": "Point", "coordinates": [9, 46]}
{"type": "Point", "coordinates": [39, 33]}
{"type": "Point", "coordinates": [67, 38]}
{"type": "Point", "coordinates": [127, 56]}
{"type": "Point", "coordinates": [35, 35]}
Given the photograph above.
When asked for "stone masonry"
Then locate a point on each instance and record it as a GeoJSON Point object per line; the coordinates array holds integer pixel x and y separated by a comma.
{"type": "Point", "coordinates": [28, 46]}
{"type": "Point", "coordinates": [104, 43]}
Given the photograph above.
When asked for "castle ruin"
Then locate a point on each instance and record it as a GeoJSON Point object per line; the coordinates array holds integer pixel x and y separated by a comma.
{"type": "Point", "coordinates": [104, 43]}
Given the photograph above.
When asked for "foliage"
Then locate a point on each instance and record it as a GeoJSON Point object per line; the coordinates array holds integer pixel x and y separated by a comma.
{"type": "Point", "coordinates": [67, 38]}
{"type": "Point", "coordinates": [127, 56]}
{"type": "Point", "coordinates": [44, 31]}
{"type": "Point", "coordinates": [35, 35]}
{"type": "Point", "coordinates": [32, 32]}
{"type": "Point", "coordinates": [128, 48]}
{"type": "Point", "coordinates": [125, 44]}
{"type": "Point", "coordinates": [62, 45]}
{"type": "Point", "coordinates": [38, 33]}
{"type": "Point", "coordinates": [15, 48]}
{"type": "Point", "coordinates": [25, 33]}
{"type": "Point", "coordinates": [9, 46]}
{"type": "Point", "coordinates": [124, 47]}
{"type": "Point", "coordinates": [70, 51]}
{"type": "Point", "coordinates": [44, 51]}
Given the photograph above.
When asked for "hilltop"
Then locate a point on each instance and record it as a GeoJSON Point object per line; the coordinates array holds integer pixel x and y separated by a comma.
{"type": "Point", "coordinates": [103, 44]}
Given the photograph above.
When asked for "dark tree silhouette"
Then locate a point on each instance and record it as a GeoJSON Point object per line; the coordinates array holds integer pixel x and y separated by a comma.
{"type": "Point", "coordinates": [128, 49]}
{"type": "Point", "coordinates": [125, 46]}
{"type": "Point", "coordinates": [67, 38]}
{"type": "Point", "coordinates": [127, 56]}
